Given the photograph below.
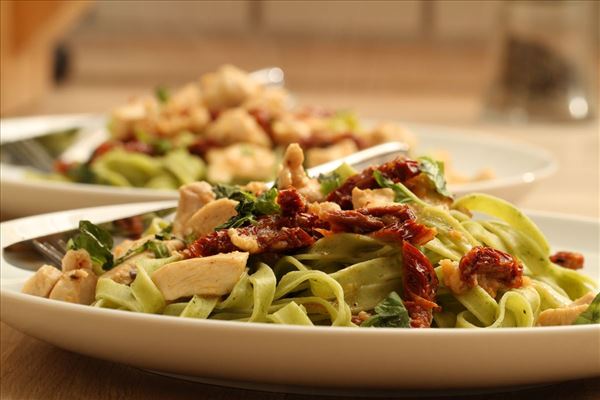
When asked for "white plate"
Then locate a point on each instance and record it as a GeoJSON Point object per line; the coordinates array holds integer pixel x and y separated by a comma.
{"type": "Point", "coordinates": [517, 167]}
{"type": "Point", "coordinates": [308, 356]}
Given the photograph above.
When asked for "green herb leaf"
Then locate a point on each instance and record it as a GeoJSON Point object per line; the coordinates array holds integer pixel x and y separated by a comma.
{"type": "Point", "coordinates": [82, 173]}
{"type": "Point", "coordinates": [224, 191]}
{"type": "Point", "coordinates": [266, 203]}
{"type": "Point", "coordinates": [434, 170]}
{"type": "Point", "coordinates": [402, 194]}
{"type": "Point", "coordinates": [162, 146]}
{"type": "Point", "coordinates": [159, 249]}
{"type": "Point", "coordinates": [591, 315]}
{"type": "Point", "coordinates": [249, 206]}
{"type": "Point", "coordinates": [96, 241]}
{"type": "Point", "coordinates": [329, 182]}
{"type": "Point", "coordinates": [130, 253]}
{"type": "Point", "coordinates": [390, 313]}
{"type": "Point", "coordinates": [190, 238]}
{"type": "Point", "coordinates": [333, 180]}
{"type": "Point", "coordinates": [162, 94]}
{"type": "Point", "coordinates": [344, 121]}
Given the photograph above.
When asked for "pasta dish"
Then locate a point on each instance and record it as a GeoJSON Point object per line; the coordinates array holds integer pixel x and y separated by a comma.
{"type": "Point", "coordinates": [384, 247]}
{"type": "Point", "coordinates": [225, 128]}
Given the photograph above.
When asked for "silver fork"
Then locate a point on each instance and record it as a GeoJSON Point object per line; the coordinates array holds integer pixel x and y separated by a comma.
{"type": "Point", "coordinates": [28, 152]}
{"type": "Point", "coordinates": [53, 247]}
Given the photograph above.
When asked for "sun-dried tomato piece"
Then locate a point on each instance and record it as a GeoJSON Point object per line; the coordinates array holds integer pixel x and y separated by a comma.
{"type": "Point", "coordinates": [131, 227]}
{"type": "Point", "coordinates": [214, 243]}
{"type": "Point", "coordinates": [264, 119]}
{"type": "Point", "coordinates": [283, 239]}
{"type": "Point", "coordinates": [353, 221]}
{"type": "Point", "coordinates": [398, 170]}
{"type": "Point", "coordinates": [411, 231]}
{"type": "Point", "coordinates": [420, 285]}
{"type": "Point", "coordinates": [62, 167]}
{"type": "Point", "coordinates": [420, 280]}
{"type": "Point", "coordinates": [136, 146]}
{"type": "Point", "coordinates": [568, 259]}
{"type": "Point", "coordinates": [103, 148]}
{"type": "Point", "coordinates": [291, 202]}
{"type": "Point", "coordinates": [393, 223]}
{"type": "Point", "coordinates": [202, 145]}
{"type": "Point", "coordinates": [273, 233]}
{"type": "Point", "coordinates": [491, 269]}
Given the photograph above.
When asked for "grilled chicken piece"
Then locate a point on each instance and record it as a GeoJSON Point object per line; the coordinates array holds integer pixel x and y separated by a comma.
{"type": "Point", "coordinates": [369, 198]}
{"type": "Point", "coordinates": [290, 130]}
{"type": "Point", "coordinates": [207, 276]}
{"type": "Point", "coordinates": [75, 286]}
{"type": "Point", "coordinates": [247, 243]}
{"type": "Point", "coordinates": [76, 259]}
{"type": "Point", "coordinates": [206, 219]}
{"type": "Point", "coordinates": [237, 126]}
{"type": "Point", "coordinates": [565, 315]}
{"type": "Point", "coordinates": [324, 208]}
{"type": "Point", "coordinates": [272, 100]}
{"type": "Point", "coordinates": [227, 87]}
{"type": "Point", "coordinates": [240, 162]}
{"type": "Point", "coordinates": [292, 172]}
{"type": "Point", "coordinates": [192, 197]}
{"type": "Point", "coordinates": [42, 282]}
{"type": "Point", "coordinates": [126, 271]}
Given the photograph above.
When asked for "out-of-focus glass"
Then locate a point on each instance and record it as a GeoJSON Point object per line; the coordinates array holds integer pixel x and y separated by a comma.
{"type": "Point", "coordinates": [546, 67]}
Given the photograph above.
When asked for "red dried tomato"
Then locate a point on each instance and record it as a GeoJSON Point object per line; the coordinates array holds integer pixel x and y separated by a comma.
{"type": "Point", "coordinates": [390, 223]}
{"type": "Point", "coordinates": [568, 259]}
{"type": "Point", "coordinates": [398, 170]}
{"type": "Point", "coordinates": [291, 202]}
{"type": "Point", "coordinates": [420, 286]}
{"type": "Point", "coordinates": [491, 269]}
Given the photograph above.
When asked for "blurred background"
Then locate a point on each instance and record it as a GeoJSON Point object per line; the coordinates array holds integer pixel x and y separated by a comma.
{"type": "Point", "coordinates": [416, 53]}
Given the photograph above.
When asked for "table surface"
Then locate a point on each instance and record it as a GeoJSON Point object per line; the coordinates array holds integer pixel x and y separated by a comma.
{"type": "Point", "coordinates": [31, 369]}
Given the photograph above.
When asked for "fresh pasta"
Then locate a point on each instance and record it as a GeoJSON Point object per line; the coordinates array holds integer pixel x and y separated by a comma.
{"type": "Point", "coordinates": [384, 247]}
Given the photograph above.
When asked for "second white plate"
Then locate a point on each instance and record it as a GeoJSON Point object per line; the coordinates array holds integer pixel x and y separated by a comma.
{"type": "Point", "coordinates": [517, 167]}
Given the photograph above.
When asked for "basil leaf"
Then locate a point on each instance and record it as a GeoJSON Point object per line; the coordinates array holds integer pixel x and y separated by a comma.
{"type": "Point", "coordinates": [159, 249]}
{"type": "Point", "coordinates": [390, 313]}
{"type": "Point", "coordinates": [249, 206]}
{"type": "Point", "coordinates": [224, 191]}
{"type": "Point", "coordinates": [591, 315]}
{"type": "Point", "coordinates": [434, 170]}
{"type": "Point", "coordinates": [96, 241]}
{"type": "Point", "coordinates": [333, 180]}
{"type": "Point", "coordinates": [344, 121]}
{"type": "Point", "coordinates": [402, 194]}
{"type": "Point", "coordinates": [81, 173]}
{"type": "Point", "coordinates": [162, 94]}
{"type": "Point", "coordinates": [329, 182]}
{"type": "Point", "coordinates": [266, 203]}
{"type": "Point", "coordinates": [130, 253]}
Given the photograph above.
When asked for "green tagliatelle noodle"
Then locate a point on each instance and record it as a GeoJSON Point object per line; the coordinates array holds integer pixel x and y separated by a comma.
{"type": "Point", "coordinates": [121, 168]}
{"type": "Point", "coordinates": [343, 274]}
